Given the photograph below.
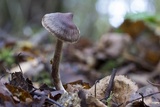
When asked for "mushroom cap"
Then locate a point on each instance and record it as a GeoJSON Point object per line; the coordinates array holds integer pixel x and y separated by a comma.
{"type": "Point", "coordinates": [62, 26]}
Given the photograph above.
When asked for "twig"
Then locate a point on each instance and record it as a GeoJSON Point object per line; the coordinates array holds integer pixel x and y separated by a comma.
{"type": "Point", "coordinates": [18, 62]}
{"type": "Point", "coordinates": [143, 97]}
{"type": "Point", "coordinates": [154, 84]}
{"type": "Point", "coordinates": [143, 100]}
{"type": "Point", "coordinates": [110, 85]}
{"type": "Point", "coordinates": [95, 90]}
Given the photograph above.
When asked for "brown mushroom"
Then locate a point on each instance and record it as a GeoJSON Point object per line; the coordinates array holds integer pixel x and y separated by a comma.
{"type": "Point", "coordinates": [61, 25]}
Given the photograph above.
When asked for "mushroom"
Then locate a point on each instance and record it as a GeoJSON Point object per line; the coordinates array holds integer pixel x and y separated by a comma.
{"type": "Point", "coordinates": [61, 25]}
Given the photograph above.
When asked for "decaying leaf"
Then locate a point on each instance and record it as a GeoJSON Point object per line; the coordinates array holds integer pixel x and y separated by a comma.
{"type": "Point", "coordinates": [133, 28]}
{"type": "Point", "coordinates": [145, 44]}
{"type": "Point", "coordinates": [5, 97]}
{"type": "Point", "coordinates": [18, 80]}
{"type": "Point", "coordinates": [122, 89]}
{"type": "Point", "coordinates": [19, 94]}
{"type": "Point", "coordinates": [146, 90]}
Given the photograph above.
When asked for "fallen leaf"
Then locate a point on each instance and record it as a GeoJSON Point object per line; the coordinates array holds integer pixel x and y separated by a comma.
{"type": "Point", "coordinates": [19, 93]}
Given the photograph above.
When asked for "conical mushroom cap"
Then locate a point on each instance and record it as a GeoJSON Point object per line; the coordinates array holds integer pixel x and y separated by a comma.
{"type": "Point", "coordinates": [62, 26]}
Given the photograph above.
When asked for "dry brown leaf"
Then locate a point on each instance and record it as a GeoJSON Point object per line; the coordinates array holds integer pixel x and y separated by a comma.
{"type": "Point", "coordinates": [5, 97]}
{"type": "Point", "coordinates": [122, 89]}
{"type": "Point", "coordinates": [19, 94]}
{"type": "Point", "coordinates": [132, 28]}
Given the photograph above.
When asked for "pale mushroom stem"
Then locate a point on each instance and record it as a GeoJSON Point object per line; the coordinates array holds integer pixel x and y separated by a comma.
{"type": "Point", "coordinates": [55, 66]}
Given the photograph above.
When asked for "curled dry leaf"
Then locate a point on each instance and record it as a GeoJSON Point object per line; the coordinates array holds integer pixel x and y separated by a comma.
{"type": "Point", "coordinates": [122, 89]}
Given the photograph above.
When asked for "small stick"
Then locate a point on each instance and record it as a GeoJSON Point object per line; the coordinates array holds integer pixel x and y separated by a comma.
{"type": "Point", "coordinates": [143, 97]}
{"type": "Point", "coordinates": [18, 63]}
{"type": "Point", "coordinates": [95, 92]}
{"type": "Point", "coordinates": [154, 84]}
{"type": "Point", "coordinates": [110, 85]}
{"type": "Point", "coordinates": [143, 100]}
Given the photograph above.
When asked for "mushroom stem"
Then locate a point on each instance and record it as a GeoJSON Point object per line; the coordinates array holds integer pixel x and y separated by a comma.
{"type": "Point", "coordinates": [55, 66]}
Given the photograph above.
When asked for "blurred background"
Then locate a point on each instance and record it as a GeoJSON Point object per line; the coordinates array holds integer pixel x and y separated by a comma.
{"type": "Point", "coordinates": [122, 34]}
{"type": "Point", "coordinates": [93, 17]}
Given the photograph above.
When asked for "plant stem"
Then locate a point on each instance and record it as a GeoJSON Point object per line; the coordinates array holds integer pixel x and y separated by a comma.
{"type": "Point", "coordinates": [55, 66]}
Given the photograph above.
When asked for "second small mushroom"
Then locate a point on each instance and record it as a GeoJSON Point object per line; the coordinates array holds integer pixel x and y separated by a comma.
{"type": "Point", "coordinates": [61, 25]}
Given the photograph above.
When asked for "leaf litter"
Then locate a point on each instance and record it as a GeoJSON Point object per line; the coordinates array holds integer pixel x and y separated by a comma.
{"type": "Point", "coordinates": [138, 52]}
